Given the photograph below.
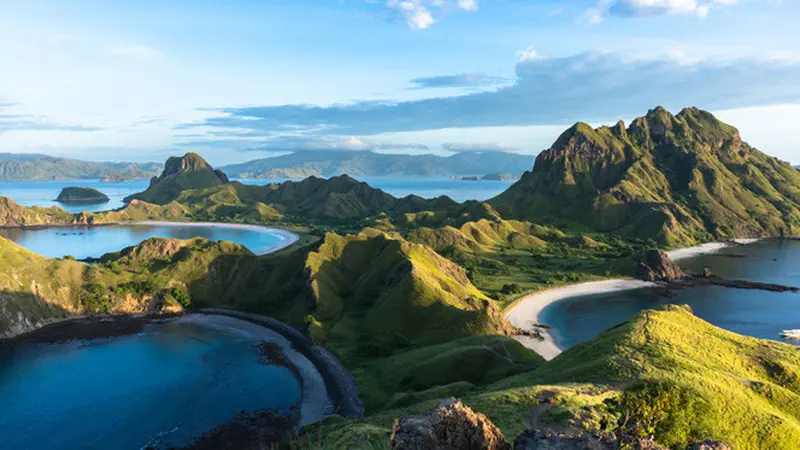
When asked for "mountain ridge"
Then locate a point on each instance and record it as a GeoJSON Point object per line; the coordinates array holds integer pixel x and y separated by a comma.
{"type": "Point", "coordinates": [40, 167]}
{"type": "Point", "coordinates": [676, 179]}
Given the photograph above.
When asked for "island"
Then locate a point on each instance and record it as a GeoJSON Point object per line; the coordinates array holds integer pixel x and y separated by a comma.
{"type": "Point", "coordinates": [81, 195]}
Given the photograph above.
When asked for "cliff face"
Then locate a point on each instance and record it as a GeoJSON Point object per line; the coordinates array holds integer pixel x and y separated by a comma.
{"type": "Point", "coordinates": [675, 178]}
{"type": "Point", "coordinates": [190, 171]}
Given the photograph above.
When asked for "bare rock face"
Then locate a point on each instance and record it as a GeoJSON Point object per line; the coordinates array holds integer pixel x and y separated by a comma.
{"type": "Point", "coordinates": [655, 265]}
{"type": "Point", "coordinates": [536, 440]}
{"type": "Point", "coordinates": [708, 444]}
{"type": "Point", "coordinates": [449, 426]}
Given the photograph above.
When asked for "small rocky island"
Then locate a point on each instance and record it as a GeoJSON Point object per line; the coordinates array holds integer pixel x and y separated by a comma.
{"type": "Point", "coordinates": [81, 195]}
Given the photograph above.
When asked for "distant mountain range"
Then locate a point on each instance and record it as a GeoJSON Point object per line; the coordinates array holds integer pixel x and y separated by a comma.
{"type": "Point", "coordinates": [356, 164]}
{"type": "Point", "coordinates": [37, 167]}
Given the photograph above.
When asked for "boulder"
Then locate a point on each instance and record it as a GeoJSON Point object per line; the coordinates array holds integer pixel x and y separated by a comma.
{"type": "Point", "coordinates": [451, 425]}
{"type": "Point", "coordinates": [655, 265]}
{"type": "Point", "coordinates": [708, 444]}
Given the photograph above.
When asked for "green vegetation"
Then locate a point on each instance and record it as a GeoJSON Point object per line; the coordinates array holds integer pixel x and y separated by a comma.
{"type": "Point", "coordinates": [188, 172]}
{"type": "Point", "coordinates": [81, 195]}
{"type": "Point", "coordinates": [677, 179]}
{"type": "Point", "coordinates": [408, 291]}
{"type": "Point", "coordinates": [663, 373]}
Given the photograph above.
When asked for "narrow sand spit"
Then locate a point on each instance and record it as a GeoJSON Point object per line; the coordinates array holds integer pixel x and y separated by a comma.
{"type": "Point", "coordinates": [527, 311]}
{"type": "Point", "coordinates": [315, 403]}
{"type": "Point", "coordinates": [286, 237]}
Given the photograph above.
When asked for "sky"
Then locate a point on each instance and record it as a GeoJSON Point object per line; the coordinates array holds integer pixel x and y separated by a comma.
{"type": "Point", "coordinates": [240, 80]}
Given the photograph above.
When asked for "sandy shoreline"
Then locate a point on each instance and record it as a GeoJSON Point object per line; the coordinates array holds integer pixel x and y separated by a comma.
{"type": "Point", "coordinates": [286, 237]}
{"type": "Point", "coordinates": [527, 311]}
{"type": "Point", "coordinates": [315, 403]}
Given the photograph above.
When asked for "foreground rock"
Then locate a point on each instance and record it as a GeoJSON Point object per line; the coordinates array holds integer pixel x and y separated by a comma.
{"type": "Point", "coordinates": [711, 445]}
{"type": "Point", "coordinates": [449, 426]}
{"type": "Point", "coordinates": [81, 195]}
{"type": "Point", "coordinates": [655, 265]}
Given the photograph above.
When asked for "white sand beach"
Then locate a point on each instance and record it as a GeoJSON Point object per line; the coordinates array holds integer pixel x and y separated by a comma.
{"type": "Point", "coordinates": [315, 403]}
{"type": "Point", "coordinates": [527, 311]}
{"type": "Point", "coordinates": [711, 247]}
{"type": "Point", "coordinates": [286, 237]}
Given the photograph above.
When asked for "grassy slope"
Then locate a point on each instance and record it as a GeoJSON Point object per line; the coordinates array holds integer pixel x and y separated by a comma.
{"type": "Point", "coordinates": [714, 384]}
{"type": "Point", "coordinates": [677, 179]}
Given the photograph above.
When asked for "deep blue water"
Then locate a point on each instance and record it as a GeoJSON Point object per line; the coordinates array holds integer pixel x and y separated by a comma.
{"type": "Point", "coordinates": [43, 193]}
{"type": "Point", "coordinates": [167, 385]}
{"type": "Point", "coordinates": [84, 242]}
{"type": "Point", "coordinates": [755, 313]}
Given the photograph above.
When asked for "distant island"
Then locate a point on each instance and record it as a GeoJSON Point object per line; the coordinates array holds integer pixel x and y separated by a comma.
{"type": "Point", "coordinates": [490, 177]}
{"type": "Point", "coordinates": [81, 195]}
{"type": "Point", "coordinates": [357, 164]}
{"type": "Point", "coordinates": [37, 167]}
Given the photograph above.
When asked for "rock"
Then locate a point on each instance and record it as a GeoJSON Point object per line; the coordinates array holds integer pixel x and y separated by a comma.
{"type": "Point", "coordinates": [708, 444]}
{"type": "Point", "coordinates": [449, 426]}
{"type": "Point", "coordinates": [536, 440]}
{"type": "Point", "coordinates": [655, 265]}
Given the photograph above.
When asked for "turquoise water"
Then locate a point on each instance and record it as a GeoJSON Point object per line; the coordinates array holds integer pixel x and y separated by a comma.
{"type": "Point", "coordinates": [85, 242]}
{"type": "Point", "coordinates": [43, 193]}
{"type": "Point", "coordinates": [166, 385]}
{"type": "Point", "coordinates": [755, 313]}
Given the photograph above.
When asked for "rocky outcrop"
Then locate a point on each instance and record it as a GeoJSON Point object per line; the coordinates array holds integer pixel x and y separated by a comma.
{"type": "Point", "coordinates": [188, 172]}
{"type": "Point", "coordinates": [708, 444]}
{"type": "Point", "coordinates": [655, 265]}
{"type": "Point", "coordinates": [451, 425]}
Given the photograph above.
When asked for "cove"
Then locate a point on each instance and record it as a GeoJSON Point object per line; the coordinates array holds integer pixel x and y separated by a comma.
{"type": "Point", "coordinates": [754, 313]}
{"type": "Point", "coordinates": [163, 386]}
{"type": "Point", "coordinates": [95, 241]}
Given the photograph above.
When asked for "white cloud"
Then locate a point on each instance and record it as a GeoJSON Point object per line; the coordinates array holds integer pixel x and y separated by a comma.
{"type": "Point", "coordinates": [468, 5]}
{"type": "Point", "coordinates": [138, 52]}
{"type": "Point", "coordinates": [419, 14]}
{"type": "Point", "coordinates": [646, 8]}
{"type": "Point", "coordinates": [528, 54]}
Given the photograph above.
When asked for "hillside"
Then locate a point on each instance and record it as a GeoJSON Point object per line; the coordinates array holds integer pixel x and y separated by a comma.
{"type": "Point", "coordinates": [675, 179]}
{"type": "Point", "coordinates": [190, 171]}
{"type": "Point", "coordinates": [36, 167]}
{"type": "Point", "coordinates": [664, 373]}
{"type": "Point", "coordinates": [358, 164]}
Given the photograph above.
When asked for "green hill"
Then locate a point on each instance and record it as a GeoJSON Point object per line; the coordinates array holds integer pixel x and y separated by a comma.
{"type": "Point", "coordinates": [662, 373]}
{"type": "Point", "coordinates": [676, 179]}
{"type": "Point", "coordinates": [80, 195]}
{"type": "Point", "coordinates": [180, 173]}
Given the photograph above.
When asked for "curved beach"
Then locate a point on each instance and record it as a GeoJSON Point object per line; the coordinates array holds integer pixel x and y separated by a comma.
{"type": "Point", "coordinates": [526, 312]}
{"type": "Point", "coordinates": [286, 237]}
{"type": "Point", "coordinates": [315, 403]}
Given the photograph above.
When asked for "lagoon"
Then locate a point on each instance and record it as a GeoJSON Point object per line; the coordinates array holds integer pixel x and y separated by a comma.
{"type": "Point", "coordinates": [83, 242]}
{"type": "Point", "coordinates": [164, 386]}
{"type": "Point", "coordinates": [760, 314]}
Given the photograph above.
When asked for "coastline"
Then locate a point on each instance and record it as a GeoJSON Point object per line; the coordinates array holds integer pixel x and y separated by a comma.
{"type": "Point", "coordinates": [527, 311]}
{"type": "Point", "coordinates": [286, 237]}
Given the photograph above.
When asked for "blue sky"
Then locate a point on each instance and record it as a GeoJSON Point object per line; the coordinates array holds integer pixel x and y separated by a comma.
{"type": "Point", "coordinates": [238, 80]}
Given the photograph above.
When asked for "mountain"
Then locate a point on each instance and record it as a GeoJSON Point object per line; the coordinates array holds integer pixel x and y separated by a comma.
{"type": "Point", "coordinates": [36, 167]}
{"type": "Point", "coordinates": [677, 179]}
{"type": "Point", "coordinates": [190, 171]}
{"type": "Point", "coordinates": [332, 163]}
